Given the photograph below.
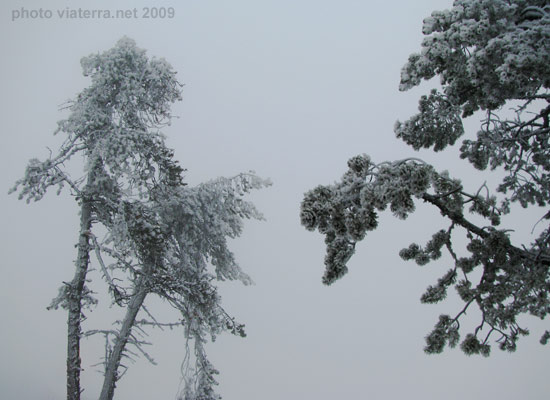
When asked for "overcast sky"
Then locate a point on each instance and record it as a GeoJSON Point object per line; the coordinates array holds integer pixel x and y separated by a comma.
{"type": "Point", "coordinates": [290, 89]}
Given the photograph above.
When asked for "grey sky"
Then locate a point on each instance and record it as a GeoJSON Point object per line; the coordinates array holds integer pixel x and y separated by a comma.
{"type": "Point", "coordinates": [290, 89]}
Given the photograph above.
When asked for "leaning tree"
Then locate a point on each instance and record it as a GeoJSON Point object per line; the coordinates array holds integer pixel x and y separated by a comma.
{"type": "Point", "coordinates": [150, 233]}
{"type": "Point", "coordinates": [491, 56]}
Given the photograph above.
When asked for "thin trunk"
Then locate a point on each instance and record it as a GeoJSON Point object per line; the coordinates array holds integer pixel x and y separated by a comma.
{"type": "Point", "coordinates": [113, 363]}
{"type": "Point", "coordinates": [75, 290]}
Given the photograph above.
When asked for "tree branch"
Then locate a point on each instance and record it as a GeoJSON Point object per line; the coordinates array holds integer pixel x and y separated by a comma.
{"type": "Point", "coordinates": [459, 219]}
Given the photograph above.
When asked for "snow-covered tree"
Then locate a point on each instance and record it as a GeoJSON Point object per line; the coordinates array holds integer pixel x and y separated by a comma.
{"type": "Point", "coordinates": [491, 56]}
{"type": "Point", "coordinates": [161, 235]}
{"type": "Point", "coordinates": [179, 241]}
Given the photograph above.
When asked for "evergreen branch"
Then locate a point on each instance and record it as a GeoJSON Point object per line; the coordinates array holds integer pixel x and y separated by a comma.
{"type": "Point", "coordinates": [459, 219]}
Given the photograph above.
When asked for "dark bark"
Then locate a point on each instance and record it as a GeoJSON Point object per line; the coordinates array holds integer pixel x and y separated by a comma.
{"type": "Point", "coordinates": [74, 300]}
{"type": "Point", "coordinates": [459, 219]}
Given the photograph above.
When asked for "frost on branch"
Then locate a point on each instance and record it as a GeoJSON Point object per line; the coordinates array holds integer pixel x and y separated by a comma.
{"type": "Point", "coordinates": [485, 52]}
{"type": "Point", "coordinates": [492, 56]}
{"type": "Point", "coordinates": [162, 237]}
{"type": "Point", "coordinates": [115, 124]}
{"type": "Point", "coordinates": [179, 245]}
{"type": "Point", "coordinates": [346, 211]}
{"type": "Point", "coordinates": [438, 124]}
{"type": "Point", "coordinates": [513, 281]}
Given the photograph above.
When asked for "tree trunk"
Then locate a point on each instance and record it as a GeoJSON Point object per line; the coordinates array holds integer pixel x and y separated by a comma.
{"type": "Point", "coordinates": [74, 300]}
{"type": "Point", "coordinates": [113, 363]}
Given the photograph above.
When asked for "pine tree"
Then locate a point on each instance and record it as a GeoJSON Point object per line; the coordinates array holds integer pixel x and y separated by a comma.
{"type": "Point", "coordinates": [161, 234]}
{"type": "Point", "coordinates": [490, 55]}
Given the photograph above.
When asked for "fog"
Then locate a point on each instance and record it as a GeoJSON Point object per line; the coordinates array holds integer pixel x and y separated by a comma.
{"type": "Point", "coordinates": [291, 90]}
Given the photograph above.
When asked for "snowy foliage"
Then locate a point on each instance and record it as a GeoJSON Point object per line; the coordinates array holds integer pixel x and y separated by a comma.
{"type": "Point", "coordinates": [114, 123]}
{"type": "Point", "coordinates": [163, 237]}
{"type": "Point", "coordinates": [485, 52]}
{"type": "Point", "coordinates": [179, 245]}
{"type": "Point", "coordinates": [488, 54]}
